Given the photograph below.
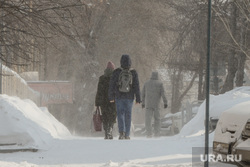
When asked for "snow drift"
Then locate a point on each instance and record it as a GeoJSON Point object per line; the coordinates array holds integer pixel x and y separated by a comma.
{"type": "Point", "coordinates": [23, 123]}
{"type": "Point", "coordinates": [218, 104]}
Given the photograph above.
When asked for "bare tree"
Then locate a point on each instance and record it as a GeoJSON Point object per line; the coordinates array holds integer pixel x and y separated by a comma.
{"type": "Point", "coordinates": [58, 37]}
{"type": "Point", "coordinates": [25, 25]}
{"type": "Point", "coordinates": [234, 15]}
{"type": "Point", "coordinates": [186, 54]}
{"type": "Point", "coordinates": [188, 24]}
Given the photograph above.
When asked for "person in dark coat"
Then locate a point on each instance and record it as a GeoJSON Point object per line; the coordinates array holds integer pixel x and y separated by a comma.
{"type": "Point", "coordinates": [124, 100]}
{"type": "Point", "coordinates": [102, 101]}
{"type": "Point", "coordinates": [152, 92]}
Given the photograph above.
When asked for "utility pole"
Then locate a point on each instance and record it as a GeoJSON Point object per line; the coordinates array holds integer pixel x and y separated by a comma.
{"type": "Point", "coordinates": [206, 164]}
{"type": "Point", "coordinates": [1, 44]}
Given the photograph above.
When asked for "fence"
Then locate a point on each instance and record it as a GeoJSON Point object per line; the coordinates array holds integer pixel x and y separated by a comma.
{"type": "Point", "coordinates": [14, 85]}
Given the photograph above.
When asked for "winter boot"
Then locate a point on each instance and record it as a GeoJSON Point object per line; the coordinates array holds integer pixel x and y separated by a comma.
{"type": "Point", "coordinates": [110, 135]}
{"type": "Point", "coordinates": [106, 135]}
{"type": "Point", "coordinates": [122, 136]}
{"type": "Point", "coordinates": [157, 135]}
{"type": "Point", "coordinates": [127, 137]}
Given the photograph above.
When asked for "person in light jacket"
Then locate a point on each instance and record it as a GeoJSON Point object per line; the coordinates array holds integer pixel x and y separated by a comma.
{"type": "Point", "coordinates": [152, 92]}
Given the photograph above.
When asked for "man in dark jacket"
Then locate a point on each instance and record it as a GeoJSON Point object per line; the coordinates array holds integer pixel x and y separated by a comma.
{"type": "Point", "coordinates": [152, 92]}
{"type": "Point", "coordinates": [108, 109]}
{"type": "Point", "coordinates": [124, 100]}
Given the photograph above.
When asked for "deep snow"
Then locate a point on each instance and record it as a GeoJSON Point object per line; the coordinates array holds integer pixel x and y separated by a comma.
{"type": "Point", "coordinates": [22, 122]}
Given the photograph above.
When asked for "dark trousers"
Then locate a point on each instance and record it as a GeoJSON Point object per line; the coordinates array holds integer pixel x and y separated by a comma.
{"type": "Point", "coordinates": [108, 118]}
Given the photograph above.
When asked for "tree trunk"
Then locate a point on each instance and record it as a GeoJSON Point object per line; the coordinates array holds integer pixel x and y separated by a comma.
{"type": "Point", "coordinates": [240, 72]}
{"type": "Point", "coordinates": [201, 95]}
{"type": "Point", "coordinates": [177, 96]}
{"type": "Point", "coordinates": [232, 61]}
{"type": "Point", "coordinates": [242, 55]}
{"type": "Point", "coordinates": [215, 79]}
{"type": "Point", "coordinates": [175, 104]}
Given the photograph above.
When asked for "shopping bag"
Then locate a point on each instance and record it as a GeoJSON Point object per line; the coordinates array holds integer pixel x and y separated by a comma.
{"type": "Point", "coordinates": [97, 120]}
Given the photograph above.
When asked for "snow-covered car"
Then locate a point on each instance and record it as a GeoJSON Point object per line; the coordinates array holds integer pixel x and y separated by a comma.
{"type": "Point", "coordinates": [232, 135]}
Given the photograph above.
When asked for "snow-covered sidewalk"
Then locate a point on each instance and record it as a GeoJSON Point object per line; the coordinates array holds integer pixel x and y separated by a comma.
{"type": "Point", "coordinates": [97, 152]}
{"type": "Point", "coordinates": [23, 123]}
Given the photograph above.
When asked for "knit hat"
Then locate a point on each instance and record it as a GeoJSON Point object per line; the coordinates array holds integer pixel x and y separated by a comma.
{"type": "Point", "coordinates": [110, 65]}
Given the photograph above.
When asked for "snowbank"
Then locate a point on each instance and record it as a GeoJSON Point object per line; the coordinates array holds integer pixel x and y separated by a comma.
{"type": "Point", "coordinates": [218, 104]}
{"type": "Point", "coordinates": [23, 123]}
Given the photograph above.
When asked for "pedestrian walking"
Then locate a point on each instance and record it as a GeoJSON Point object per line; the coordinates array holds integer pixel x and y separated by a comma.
{"type": "Point", "coordinates": [102, 101]}
{"type": "Point", "coordinates": [152, 92]}
{"type": "Point", "coordinates": [123, 89]}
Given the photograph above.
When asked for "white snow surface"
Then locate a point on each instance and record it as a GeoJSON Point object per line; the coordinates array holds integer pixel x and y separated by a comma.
{"type": "Point", "coordinates": [21, 121]}
{"type": "Point", "coordinates": [238, 97]}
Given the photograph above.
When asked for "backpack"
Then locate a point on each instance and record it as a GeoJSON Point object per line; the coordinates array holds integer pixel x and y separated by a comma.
{"type": "Point", "coordinates": [125, 80]}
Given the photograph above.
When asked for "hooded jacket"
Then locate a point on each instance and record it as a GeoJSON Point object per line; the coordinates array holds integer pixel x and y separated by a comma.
{"type": "Point", "coordinates": [153, 91]}
{"type": "Point", "coordinates": [114, 92]}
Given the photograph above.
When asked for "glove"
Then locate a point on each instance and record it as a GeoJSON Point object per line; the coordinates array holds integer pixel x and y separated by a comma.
{"type": "Point", "coordinates": [143, 105]}
{"type": "Point", "coordinates": [165, 106]}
